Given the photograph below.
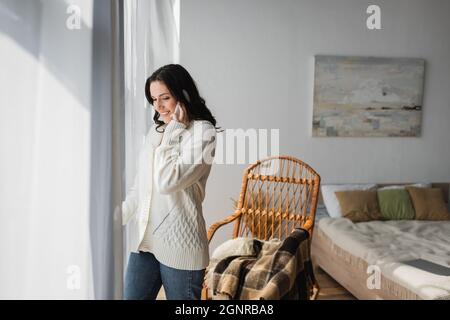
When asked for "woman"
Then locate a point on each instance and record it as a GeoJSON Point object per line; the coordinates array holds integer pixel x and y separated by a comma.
{"type": "Point", "coordinates": [165, 202]}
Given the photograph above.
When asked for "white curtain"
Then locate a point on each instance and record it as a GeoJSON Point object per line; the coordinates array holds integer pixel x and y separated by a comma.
{"type": "Point", "coordinates": [59, 127]}
{"type": "Point", "coordinates": [69, 139]}
{"type": "Point", "coordinates": [151, 40]}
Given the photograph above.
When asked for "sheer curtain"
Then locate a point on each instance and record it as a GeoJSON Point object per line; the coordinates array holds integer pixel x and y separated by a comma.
{"type": "Point", "coordinates": [71, 125]}
{"type": "Point", "coordinates": [151, 40]}
{"type": "Point", "coordinates": [60, 118]}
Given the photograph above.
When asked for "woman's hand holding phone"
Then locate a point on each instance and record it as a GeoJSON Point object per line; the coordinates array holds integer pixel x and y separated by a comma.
{"type": "Point", "coordinates": [180, 114]}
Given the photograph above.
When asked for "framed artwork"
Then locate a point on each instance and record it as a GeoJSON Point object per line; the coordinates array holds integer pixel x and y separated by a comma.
{"type": "Point", "coordinates": [367, 96]}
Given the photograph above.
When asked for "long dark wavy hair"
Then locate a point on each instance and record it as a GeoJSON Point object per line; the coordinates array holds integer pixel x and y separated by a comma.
{"type": "Point", "coordinates": [183, 88]}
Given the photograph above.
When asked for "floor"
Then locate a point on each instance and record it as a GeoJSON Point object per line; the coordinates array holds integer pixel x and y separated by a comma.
{"type": "Point", "coordinates": [330, 289]}
{"type": "Point", "coordinates": [161, 295]}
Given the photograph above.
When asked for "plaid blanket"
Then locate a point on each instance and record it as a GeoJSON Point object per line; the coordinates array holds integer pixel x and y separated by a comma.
{"type": "Point", "coordinates": [276, 271]}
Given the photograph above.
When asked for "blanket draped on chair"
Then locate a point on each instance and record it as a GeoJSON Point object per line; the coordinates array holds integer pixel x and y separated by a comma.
{"type": "Point", "coordinates": [276, 271]}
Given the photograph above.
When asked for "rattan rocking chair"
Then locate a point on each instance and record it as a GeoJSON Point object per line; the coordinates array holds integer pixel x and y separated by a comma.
{"type": "Point", "coordinates": [278, 194]}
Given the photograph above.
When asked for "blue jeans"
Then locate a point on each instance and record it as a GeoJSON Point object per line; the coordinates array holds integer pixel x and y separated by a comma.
{"type": "Point", "coordinates": [145, 275]}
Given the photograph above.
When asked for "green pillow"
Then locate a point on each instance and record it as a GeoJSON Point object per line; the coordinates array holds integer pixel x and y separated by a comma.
{"type": "Point", "coordinates": [395, 204]}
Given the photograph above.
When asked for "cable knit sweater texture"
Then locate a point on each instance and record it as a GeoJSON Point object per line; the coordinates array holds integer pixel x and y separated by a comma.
{"type": "Point", "coordinates": [165, 201]}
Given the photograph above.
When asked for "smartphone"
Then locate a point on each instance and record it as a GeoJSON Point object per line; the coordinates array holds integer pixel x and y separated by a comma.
{"type": "Point", "coordinates": [177, 111]}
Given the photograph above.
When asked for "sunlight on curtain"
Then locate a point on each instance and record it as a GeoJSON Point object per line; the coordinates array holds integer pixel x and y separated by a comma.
{"type": "Point", "coordinates": [151, 40]}
{"type": "Point", "coordinates": [45, 127]}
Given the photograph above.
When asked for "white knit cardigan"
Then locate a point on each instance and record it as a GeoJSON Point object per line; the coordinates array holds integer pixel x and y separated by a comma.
{"type": "Point", "coordinates": [177, 164]}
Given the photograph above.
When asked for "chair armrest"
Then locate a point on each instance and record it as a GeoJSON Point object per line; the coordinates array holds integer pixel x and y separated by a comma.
{"type": "Point", "coordinates": [308, 225]}
{"type": "Point", "coordinates": [214, 227]}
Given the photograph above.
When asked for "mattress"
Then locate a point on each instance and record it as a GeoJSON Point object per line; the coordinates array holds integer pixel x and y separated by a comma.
{"type": "Point", "coordinates": [411, 258]}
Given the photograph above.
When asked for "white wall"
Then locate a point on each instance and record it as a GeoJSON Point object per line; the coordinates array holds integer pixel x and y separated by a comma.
{"type": "Point", "coordinates": [253, 61]}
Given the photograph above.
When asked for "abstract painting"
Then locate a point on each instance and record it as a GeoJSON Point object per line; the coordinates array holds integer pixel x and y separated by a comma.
{"type": "Point", "coordinates": [367, 96]}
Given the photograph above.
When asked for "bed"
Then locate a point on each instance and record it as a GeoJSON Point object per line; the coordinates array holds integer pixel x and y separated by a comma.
{"type": "Point", "coordinates": [398, 259]}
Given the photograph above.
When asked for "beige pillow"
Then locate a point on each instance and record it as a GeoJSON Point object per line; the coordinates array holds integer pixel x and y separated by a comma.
{"type": "Point", "coordinates": [359, 205]}
{"type": "Point", "coordinates": [429, 203]}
